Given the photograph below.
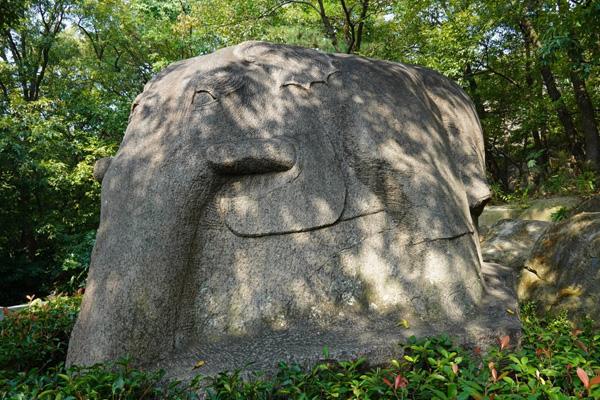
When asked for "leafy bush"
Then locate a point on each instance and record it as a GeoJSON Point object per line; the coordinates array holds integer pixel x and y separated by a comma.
{"type": "Point", "coordinates": [436, 369]}
{"type": "Point", "coordinates": [563, 182]}
{"type": "Point", "coordinates": [560, 214]}
{"type": "Point", "coordinates": [102, 381]}
{"type": "Point", "coordinates": [556, 360]}
{"type": "Point", "coordinates": [38, 336]}
{"type": "Point", "coordinates": [75, 262]}
{"type": "Point", "coordinates": [518, 196]}
{"type": "Point", "coordinates": [33, 347]}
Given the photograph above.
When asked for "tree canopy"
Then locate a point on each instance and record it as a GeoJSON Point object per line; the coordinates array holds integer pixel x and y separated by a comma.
{"type": "Point", "coordinates": [69, 70]}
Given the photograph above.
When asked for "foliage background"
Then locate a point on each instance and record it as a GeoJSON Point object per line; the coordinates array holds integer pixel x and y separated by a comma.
{"type": "Point", "coordinates": [69, 70]}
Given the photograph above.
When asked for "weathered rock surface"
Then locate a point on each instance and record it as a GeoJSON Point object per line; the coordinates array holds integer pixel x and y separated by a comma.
{"type": "Point", "coordinates": [563, 271]}
{"type": "Point", "coordinates": [493, 214]}
{"type": "Point", "coordinates": [539, 210]}
{"type": "Point", "coordinates": [100, 168]}
{"type": "Point", "coordinates": [542, 209]}
{"type": "Point", "coordinates": [510, 242]}
{"type": "Point", "coordinates": [590, 204]}
{"type": "Point", "coordinates": [269, 200]}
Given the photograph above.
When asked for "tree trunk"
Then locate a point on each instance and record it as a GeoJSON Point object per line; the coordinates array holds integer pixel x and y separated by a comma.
{"type": "Point", "coordinates": [582, 97]}
{"type": "Point", "coordinates": [588, 121]}
{"type": "Point", "coordinates": [550, 82]}
{"type": "Point", "coordinates": [535, 132]}
{"type": "Point", "coordinates": [468, 75]}
{"type": "Point", "coordinates": [361, 24]}
{"type": "Point", "coordinates": [329, 31]}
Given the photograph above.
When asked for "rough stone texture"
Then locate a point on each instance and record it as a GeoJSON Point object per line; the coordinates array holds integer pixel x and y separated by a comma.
{"type": "Point", "coordinates": [269, 200]}
{"type": "Point", "coordinates": [563, 271]}
{"type": "Point", "coordinates": [542, 209]}
{"type": "Point", "coordinates": [590, 204]}
{"type": "Point", "coordinates": [493, 214]}
{"type": "Point", "coordinates": [539, 210]}
{"type": "Point", "coordinates": [509, 242]}
{"type": "Point", "coordinates": [100, 168]}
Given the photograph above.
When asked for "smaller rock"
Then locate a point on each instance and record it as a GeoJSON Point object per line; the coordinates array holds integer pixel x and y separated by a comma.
{"type": "Point", "coordinates": [542, 209]}
{"type": "Point", "coordinates": [591, 204]}
{"type": "Point", "coordinates": [539, 210]}
{"type": "Point", "coordinates": [563, 271]}
{"type": "Point", "coordinates": [510, 241]}
{"type": "Point", "coordinates": [493, 214]}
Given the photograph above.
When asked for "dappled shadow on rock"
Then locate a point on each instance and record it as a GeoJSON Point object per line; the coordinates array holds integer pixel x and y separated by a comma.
{"type": "Point", "coordinates": [510, 241]}
{"type": "Point", "coordinates": [274, 197]}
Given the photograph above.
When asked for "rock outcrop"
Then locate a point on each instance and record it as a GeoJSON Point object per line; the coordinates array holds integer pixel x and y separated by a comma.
{"type": "Point", "coordinates": [269, 200]}
{"type": "Point", "coordinates": [510, 241]}
{"type": "Point", "coordinates": [563, 271]}
{"type": "Point", "coordinates": [538, 210]}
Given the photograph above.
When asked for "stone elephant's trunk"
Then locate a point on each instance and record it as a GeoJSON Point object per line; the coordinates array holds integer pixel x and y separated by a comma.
{"type": "Point", "coordinates": [150, 205]}
{"type": "Point", "coordinates": [148, 235]}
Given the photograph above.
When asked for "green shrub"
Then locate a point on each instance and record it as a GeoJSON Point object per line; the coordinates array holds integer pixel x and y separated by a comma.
{"type": "Point", "coordinates": [560, 214]}
{"type": "Point", "coordinates": [74, 261]}
{"type": "Point", "coordinates": [556, 360]}
{"type": "Point", "coordinates": [103, 381]}
{"type": "Point", "coordinates": [33, 346]}
{"type": "Point", "coordinates": [38, 336]}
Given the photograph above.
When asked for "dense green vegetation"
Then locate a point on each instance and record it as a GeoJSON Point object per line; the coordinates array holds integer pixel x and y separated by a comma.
{"type": "Point", "coordinates": [557, 360]}
{"type": "Point", "coordinates": [39, 336]}
{"type": "Point", "coordinates": [69, 70]}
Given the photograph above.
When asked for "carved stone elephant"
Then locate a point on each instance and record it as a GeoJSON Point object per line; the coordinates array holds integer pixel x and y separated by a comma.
{"type": "Point", "coordinates": [270, 200]}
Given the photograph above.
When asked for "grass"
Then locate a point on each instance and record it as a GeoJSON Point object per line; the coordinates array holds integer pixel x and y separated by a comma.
{"type": "Point", "coordinates": [556, 360]}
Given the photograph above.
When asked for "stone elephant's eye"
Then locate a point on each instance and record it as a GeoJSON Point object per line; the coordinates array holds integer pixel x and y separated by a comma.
{"type": "Point", "coordinates": [203, 98]}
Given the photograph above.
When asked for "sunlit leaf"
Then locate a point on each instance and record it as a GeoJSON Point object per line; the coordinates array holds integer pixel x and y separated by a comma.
{"type": "Point", "coordinates": [504, 341]}
{"type": "Point", "coordinates": [583, 377]}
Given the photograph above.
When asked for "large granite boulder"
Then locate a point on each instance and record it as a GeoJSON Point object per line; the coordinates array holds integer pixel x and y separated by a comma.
{"type": "Point", "coordinates": [563, 271]}
{"type": "Point", "coordinates": [268, 200]}
{"type": "Point", "coordinates": [510, 241]}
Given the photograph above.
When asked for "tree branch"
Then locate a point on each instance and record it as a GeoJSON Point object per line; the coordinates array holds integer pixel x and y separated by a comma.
{"type": "Point", "coordinates": [97, 50]}
{"type": "Point", "coordinates": [350, 36]}
{"type": "Point", "coordinates": [285, 3]}
{"type": "Point", "coordinates": [489, 70]}
{"type": "Point", "coordinates": [329, 31]}
{"type": "Point", "coordinates": [361, 24]}
{"type": "Point", "coordinates": [4, 91]}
